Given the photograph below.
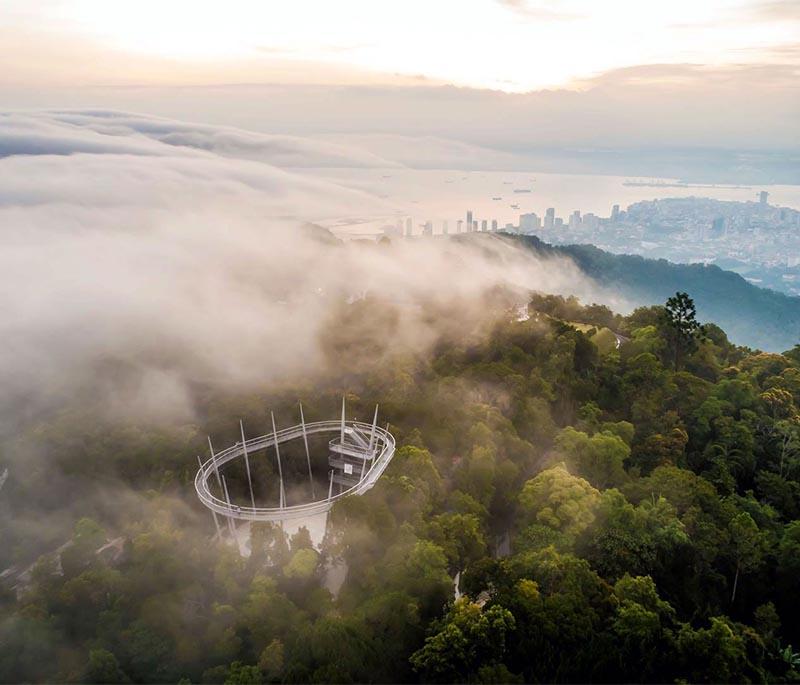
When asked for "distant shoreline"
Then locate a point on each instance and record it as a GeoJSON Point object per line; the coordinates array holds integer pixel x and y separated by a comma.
{"type": "Point", "coordinates": [664, 184]}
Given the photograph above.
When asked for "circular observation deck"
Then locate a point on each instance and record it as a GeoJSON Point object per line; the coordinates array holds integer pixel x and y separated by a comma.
{"type": "Point", "coordinates": [359, 454]}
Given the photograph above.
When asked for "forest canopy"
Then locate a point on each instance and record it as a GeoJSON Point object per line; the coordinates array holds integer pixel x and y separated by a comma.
{"type": "Point", "coordinates": [577, 496]}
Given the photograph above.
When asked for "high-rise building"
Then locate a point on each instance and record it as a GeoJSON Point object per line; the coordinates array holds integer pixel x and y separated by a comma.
{"type": "Point", "coordinates": [445, 227]}
{"type": "Point", "coordinates": [590, 221]}
{"type": "Point", "coordinates": [615, 213]}
{"type": "Point", "coordinates": [762, 197]}
{"type": "Point", "coordinates": [409, 227]}
{"type": "Point", "coordinates": [484, 225]}
{"type": "Point", "coordinates": [427, 229]}
{"type": "Point", "coordinates": [494, 225]}
{"type": "Point", "coordinates": [559, 222]}
{"type": "Point", "coordinates": [475, 226]}
{"type": "Point", "coordinates": [550, 217]}
{"type": "Point", "coordinates": [390, 231]}
{"type": "Point", "coordinates": [459, 225]}
{"type": "Point", "coordinates": [529, 222]}
{"type": "Point", "coordinates": [469, 220]}
{"type": "Point", "coordinates": [575, 219]}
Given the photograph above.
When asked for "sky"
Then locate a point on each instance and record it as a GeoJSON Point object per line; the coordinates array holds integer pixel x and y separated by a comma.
{"type": "Point", "coordinates": [152, 155]}
{"type": "Point", "coordinates": [699, 90]}
{"type": "Point", "coordinates": [509, 45]}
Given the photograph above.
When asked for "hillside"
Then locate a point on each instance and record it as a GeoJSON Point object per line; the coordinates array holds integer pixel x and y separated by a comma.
{"type": "Point", "coordinates": [752, 316]}
{"type": "Point", "coordinates": [624, 517]}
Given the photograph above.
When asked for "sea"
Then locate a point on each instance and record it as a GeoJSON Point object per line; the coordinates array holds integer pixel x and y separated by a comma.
{"type": "Point", "coordinates": [446, 195]}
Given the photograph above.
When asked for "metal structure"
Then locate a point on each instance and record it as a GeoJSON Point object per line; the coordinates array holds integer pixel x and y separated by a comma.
{"type": "Point", "coordinates": [358, 453]}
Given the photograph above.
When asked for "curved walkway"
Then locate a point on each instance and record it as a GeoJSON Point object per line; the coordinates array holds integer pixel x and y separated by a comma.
{"type": "Point", "coordinates": [383, 455]}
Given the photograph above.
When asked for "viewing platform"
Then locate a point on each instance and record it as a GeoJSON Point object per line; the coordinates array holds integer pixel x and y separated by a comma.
{"type": "Point", "coordinates": [357, 457]}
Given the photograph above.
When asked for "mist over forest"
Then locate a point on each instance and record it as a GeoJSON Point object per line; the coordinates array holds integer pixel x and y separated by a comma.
{"type": "Point", "coordinates": [597, 474]}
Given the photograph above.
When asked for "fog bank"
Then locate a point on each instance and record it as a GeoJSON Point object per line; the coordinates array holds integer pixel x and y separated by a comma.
{"type": "Point", "coordinates": [141, 256]}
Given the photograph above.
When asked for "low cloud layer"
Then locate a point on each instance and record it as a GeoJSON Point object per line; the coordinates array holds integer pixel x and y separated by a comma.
{"type": "Point", "coordinates": [133, 267]}
{"type": "Point", "coordinates": [726, 123]}
{"type": "Point", "coordinates": [108, 132]}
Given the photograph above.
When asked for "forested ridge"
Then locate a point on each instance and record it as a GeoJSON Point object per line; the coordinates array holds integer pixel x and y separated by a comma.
{"type": "Point", "coordinates": [623, 515]}
{"type": "Point", "coordinates": [754, 316]}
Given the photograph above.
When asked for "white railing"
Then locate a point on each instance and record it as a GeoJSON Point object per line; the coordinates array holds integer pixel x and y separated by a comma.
{"type": "Point", "coordinates": [384, 450]}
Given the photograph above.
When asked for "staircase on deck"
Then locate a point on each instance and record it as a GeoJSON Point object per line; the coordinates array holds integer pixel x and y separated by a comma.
{"type": "Point", "coordinates": [351, 454]}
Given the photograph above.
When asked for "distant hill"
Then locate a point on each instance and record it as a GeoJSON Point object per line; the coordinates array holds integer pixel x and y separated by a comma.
{"type": "Point", "coordinates": [751, 316]}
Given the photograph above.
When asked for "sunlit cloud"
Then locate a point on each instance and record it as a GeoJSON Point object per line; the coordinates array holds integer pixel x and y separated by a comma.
{"type": "Point", "coordinates": [777, 10]}
{"type": "Point", "coordinates": [543, 45]}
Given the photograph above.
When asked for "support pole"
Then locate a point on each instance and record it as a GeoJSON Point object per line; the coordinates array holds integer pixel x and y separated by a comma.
{"type": "Point", "coordinates": [214, 462]}
{"type": "Point", "coordinates": [247, 465]}
{"type": "Point", "coordinates": [281, 496]}
{"type": "Point", "coordinates": [231, 527]}
{"type": "Point", "coordinates": [308, 455]}
{"type": "Point", "coordinates": [342, 434]}
{"type": "Point", "coordinates": [330, 487]}
{"type": "Point", "coordinates": [213, 513]}
{"type": "Point", "coordinates": [374, 426]}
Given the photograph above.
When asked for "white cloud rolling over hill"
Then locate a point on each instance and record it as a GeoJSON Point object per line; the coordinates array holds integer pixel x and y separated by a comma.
{"type": "Point", "coordinates": [177, 251]}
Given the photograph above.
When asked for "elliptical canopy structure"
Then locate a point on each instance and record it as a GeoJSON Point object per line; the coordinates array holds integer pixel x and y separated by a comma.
{"type": "Point", "coordinates": [358, 453]}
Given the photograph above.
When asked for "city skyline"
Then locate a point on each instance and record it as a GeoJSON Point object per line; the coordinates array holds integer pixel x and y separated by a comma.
{"type": "Point", "coordinates": [754, 238]}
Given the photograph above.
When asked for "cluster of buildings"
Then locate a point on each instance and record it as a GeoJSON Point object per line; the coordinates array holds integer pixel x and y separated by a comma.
{"type": "Point", "coordinates": [405, 228]}
{"type": "Point", "coordinates": [533, 223]}
{"type": "Point", "coordinates": [756, 239]}
{"type": "Point", "coordinates": [528, 224]}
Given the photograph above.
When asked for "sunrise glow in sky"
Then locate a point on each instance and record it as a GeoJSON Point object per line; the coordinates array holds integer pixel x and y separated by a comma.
{"type": "Point", "coordinates": [513, 45]}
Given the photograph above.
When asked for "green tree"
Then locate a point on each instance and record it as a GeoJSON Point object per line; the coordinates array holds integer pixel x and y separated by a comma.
{"type": "Point", "coordinates": [81, 553]}
{"type": "Point", "coordinates": [717, 654]}
{"type": "Point", "coordinates": [271, 660]}
{"type": "Point", "coordinates": [559, 500]}
{"type": "Point", "coordinates": [460, 536]}
{"type": "Point", "coordinates": [682, 328]}
{"type": "Point", "coordinates": [241, 674]}
{"type": "Point", "coordinates": [598, 458]}
{"type": "Point", "coordinates": [645, 645]}
{"type": "Point", "coordinates": [419, 568]}
{"type": "Point", "coordinates": [301, 540]}
{"type": "Point", "coordinates": [466, 640]}
{"type": "Point", "coordinates": [303, 565]}
{"type": "Point", "coordinates": [749, 546]}
{"type": "Point", "coordinates": [103, 667]}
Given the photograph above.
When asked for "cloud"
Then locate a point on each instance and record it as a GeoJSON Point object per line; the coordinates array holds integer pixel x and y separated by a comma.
{"type": "Point", "coordinates": [35, 135]}
{"type": "Point", "coordinates": [69, 132]}
{"type": "Point", "coordinates": [693, 77]}
{"type": "Point", "coordinates": [530, 10]}
{"type": "Point", "coordinates": [671, 120]}
{"type": "Point", "coordinates": [133, 276]}
{"type": "Point", "coordinates": [657, 105]}
{"type": "Point", "coordinates": [786, 51]}
{"type": "Point", "coordinates": [776, 10]}
{"type": "Point", "coordinates": [431, 152]}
